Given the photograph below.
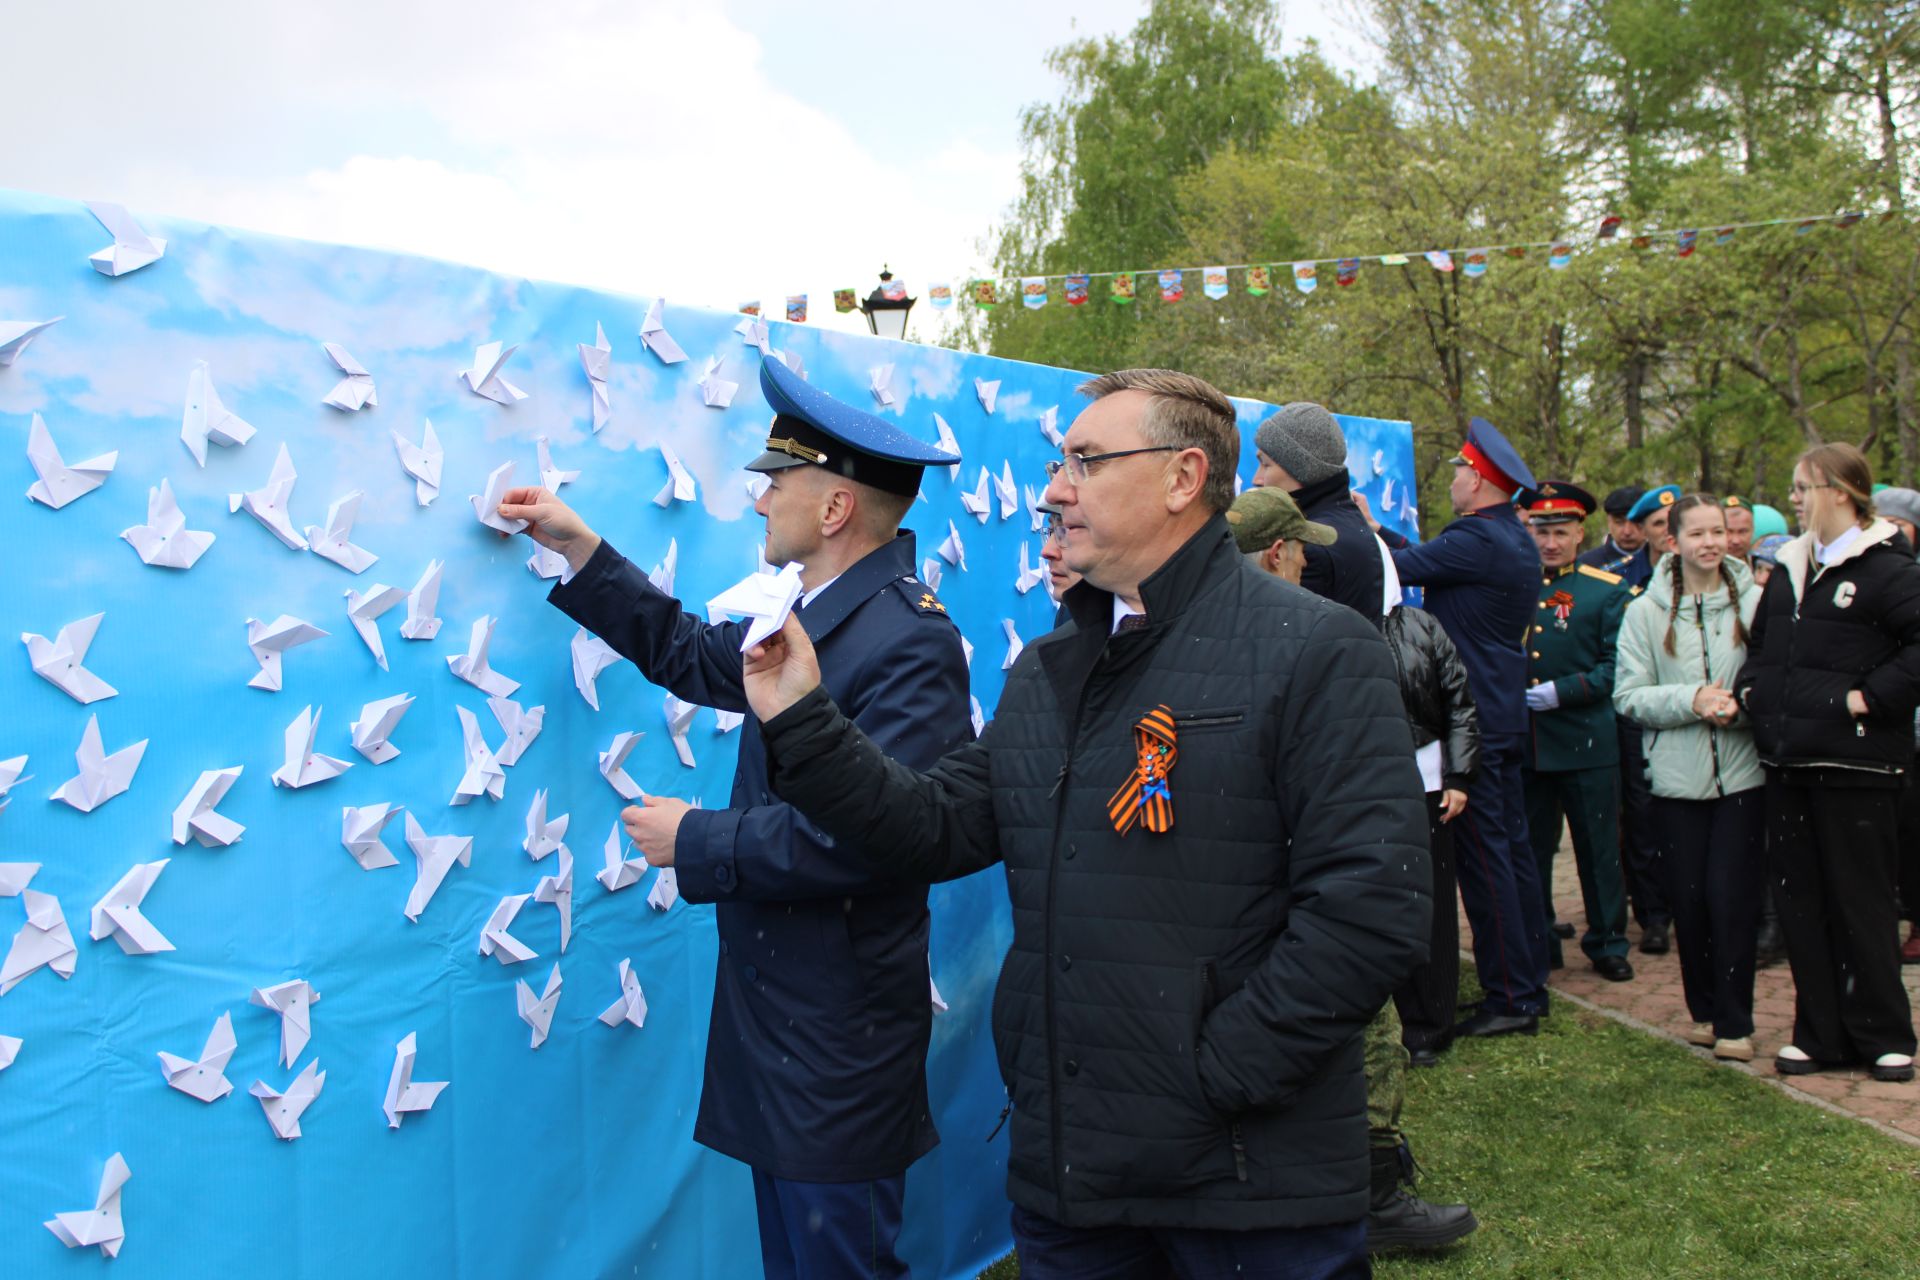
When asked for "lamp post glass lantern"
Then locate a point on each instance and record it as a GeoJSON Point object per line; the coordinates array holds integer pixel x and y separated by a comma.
{"type": "Point", "coordinates": [886, 308]}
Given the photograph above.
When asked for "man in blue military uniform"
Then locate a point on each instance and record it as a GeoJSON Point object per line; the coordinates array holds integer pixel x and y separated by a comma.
{"type": "Point", "coordinates": [1572, 763]}
{"type": "Point", "coordinates": [815, 1072]}
{"type": "Point", "coordinates": [1482, 580]}
{"type": "Point", "coordinates": [1621, 551]}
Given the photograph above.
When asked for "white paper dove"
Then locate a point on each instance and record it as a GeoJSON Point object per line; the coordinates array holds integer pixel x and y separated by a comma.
{"type": "Point", "coordinates": [361, 831]}
{"type": "Point", "coordinates": [404, 1094]}
{"type": "Point", "coordinates": [1035, 516]}
{"type": "Point", "coordinates": [754, 332]}
{"type": "Point", "coordinates": [977, 502]}
{"type": "Point", "coordinates": [619, 872]}
{"type": "Point", "coordinates": [194, 817]}
{"type": "Point", "coordinates": [679, 724]}
{"type": "Point", "coordinates": [931, 573]}
{"type": "Point", "coordinates": [551, 476]}
{"type": "Point", "coordinates": [613, 765]}
{"type": "Point", "coordinates": [715, 391]}
{"type": "Point", "coordinates": [591, 656]}
{"type": "Point", "coordinates": [1004, 490]}
{"type": "Point", "coordinates": [206, 419]}
{"type": "Point", "coordinates": [423, 461]}
{"type": "Point", "coordinates": [1050, 427]}
{"type": "Point", "coordinates": [880, 382]}
{"type": "Point", "coordinates": [101, 1225]}
{"type": "Point", "coordinates": [335, 541]}
{"type": "Point", "coordinates": [118, 915]}
{"type": "Point", "coordinates": [378, 719]}
{"type": "Point", "coordinates": [728, 721]}
{"type": "Point", "coordinates": [757, 486]}
{"type": "Point", "coordinates": [303, 766]}
{"type": "Point", "coordinates": [59, 483]}
{"type": "Point", "coordinates": [537, 1012]}
{"type": "Point", "coordinates": [9, 1050]}
{"type": "Point", "coordinates": [1386, 495]}
{"type": "Point", "coordinates": [1379, 462]}
{"type": "Point", "coordinates": [43, 941]}
{"type": "Point", "coordinates": [61, 661]}
{"type": "Point", "coordinates": [1014, 645]}
{"type": "Point", "coordinates": [663, 573]}
{"type": "Point", "coordinates": [483, 774]}
{"type": "Point", "coordinates": [484, 378]}
{"type": "Point", "coordinates": [949, 444]}
{"type": "Point", "coordinates": [268, 641]}
{"type": "Point", "coordinates": [631, 1007]}
{"type": "Point", "coordinates": [520, 724]}
{"type": "Point", "coordinates": [495, 941]}
{"type": "Point", "coordinates": [486, 506]}
{"type": "Point", "coordinates": [363, 611]}
{"type": "Point", "coordinates": [1031, 575]}
{"type": "Point", "coordinates": [285, 1109]}
{"type": "Point", "coordinates": [545, 562]}
{"type": "Point", "coordinates": [355, 390]}
{"type": "Point", "coordinates": [966, 650]}
{"type": "Point", "coordinates": [472, 667]}
{"type": "Point", "coordinates": [665, 891]}
{"type": "Point", "coordinates": [543, 837]}
{"type": "Point", "coordinates": [203, 1077]}
{"type": "Point", "coordinates": [987, 391]}
{"type": "Point", "coordinates": [16, 876]}
{"type": "Point", "coordinates": [10, 771]}
{"type": "Point", "coordinates": [101, 776]}
{"type": "Point", "coordinates": [556, 890]}
{"type": "Point", "coordinates": [979, 715]}
{"type": "Point", "coordinates": [164, 541]}
{"type": "Point", "coordinates": [765, 599]}
{"type": "Point", "coordinates": [654, 335]}
{"type": "Point", "coordinates": [421, 624]}
{"type": "Point", "coordinates": [680, 486]}
{"type": "Point", "coordinates": [17, 335]}
{"type": "Point", "coordinates": [132, 247]}
{"type": "Point", "coordinates": [293, 1001]}
{"type": "Point", "coordinates": [952, 550]}
{"type": "Point", "coordinates": [597, 361]}
{"type": "Point", "coordinates": [269, 503]}
{"type": "Point", "coordinates": [436, 856]}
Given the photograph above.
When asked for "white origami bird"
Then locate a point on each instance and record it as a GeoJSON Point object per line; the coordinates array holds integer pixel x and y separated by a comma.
{"type": "Point", "coordinates": [680, 486]}
{"type": "Point", "coordinates": [543, 837]}
{"type": "Point", "coordinates": [631, 1007]}
{"type": "Point", "coordinates": [61, 661]}
{"type": "Point", "coordinates": [618, 872]}
{"type": "Point", "coordinates": [421, 624]}
{"type": "Point", "coordinates": [495, 941]}
{"type": "Point", "coordinates": [979, 715]}
{"type": "Point", "coordinates": [101, 1225]}
{"type": "Point", "coordinates": [9, 1050]}
{"type": "Point", "coordinates": [715, 391]}
{"type": "Point", "coordinates": [132, 247]}
{"type": "Point", "coordinates": [164, 541]}
{"type": "Point", "coordinates": [933, 989]}
{"type": "Point", "coordinates": [613, 765]}
{"type": "Point", "coordinates": [484, 379]}
{"type": "Point", "coordinates": [361, 832]}
{"type": "Point", "coordinates": [269, 641]}
{"type": "Point", "coordinates": [363, 611]}
{"type": "Point", "coordinates": [303, 766]}
{"type": "Point", "coordinates": [545, 562]}
{"type": "Point", "coordinates": [335, 541]}
{"type": "Point", "coordinates": [195, 818]}
{"type": "Point", "coordinates": [423, 462]}
{"type": "Point", "coordinates": [472, 667]}
{"type": "Point", "coordinates": [10, 771]}
{"type": "Point", "coordinates": [880, 382]}
{"type": "Point", "coordinates": [203, 1077]}
{"type": "Point", "coordinates": [931, 573]}
{"type": "Point", "coordinates": [285, 1109]}
{"type": "Point", "coordinates": [1004, 490]}
{"type": "Point", "coordinates": [977, 502]}
{"type": "Point", "coordinates": [1050, 427]}
{"type": "Point", "coordinates": [206, 419]}
{"type": "Point", "coordinates": [597, 361]}
{"type": "Point", "coordinates": [764, 599]}
{"type": "Point", "coordinates": [403, 1093]}
{"type": "Point", "coordinates": [663, 573]}
{"type": "Point", "coordinates": [1014, 645]}
{"type": "Point", "coordinates": [483, 774]}
{"type": "Point", "coordinates": [355, 390]}
{"type": "Point", "coordinates": [520, 724]}
{"type": "Point", "coordinates": [654, 335]}
{"type": "Point", "coordinates": [269, 503]}
{"type": "Point", "coordinates": [1035, 515]}
{"type": "Point", "coordinates": [556, 890]}
{"type": "Point", "coordinates": [1386, 495]}
{"type": "Point", "coordinates": [551, 476]}
{"type": "Point", "coordinates": [987, 391]}
{"type": "Point", "coordinates": [948, 444]}
{"type": "Point", "coordinates": [101, 776]}
{"type": "Point", "coordinates": [537, 1012]}
{"type": "Point", "coordinates": [435, 856]}
{"type": "Point", "coordinates": [1031, 575]}
{"type": "Point", "coordinates": [17, 335]}
{"type": "Point", "coordinates": [43, 941]}
{"type": "Point", "coordinates": [679, 724]}
{"type": "Point", "coordinates": [378, 719]}
{"type": "Point", "coordinates": [118, 915]}
{"type": "Point", "coordinates": [753, 331]}
{"type": "Point", "coordinates": [486, 506]}
{"type": "Point", "coordinates": [952, 550]}
{"type": "Point", "coordinates": [59, 483]}
{"type": "Point", "coordinates": [292, 1002]}
{"type": "Point", "coordinates": [665, 891]}
{"type": "Point", "coordinates": [591, 656]}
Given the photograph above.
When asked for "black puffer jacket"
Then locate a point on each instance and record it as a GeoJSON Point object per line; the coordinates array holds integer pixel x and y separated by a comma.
{"type": "Point", "coordinates": [1822, 631]}
{"type": "Point", "coordinates": [1350, 571]}
{"type": "Point", "coordinates": [1433, 684]}
{"type": "Point", "coordinates": [1178, 1019]}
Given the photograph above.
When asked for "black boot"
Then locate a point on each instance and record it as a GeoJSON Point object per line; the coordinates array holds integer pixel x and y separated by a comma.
{"type": "Point", "coordinates": [1399, 1219]}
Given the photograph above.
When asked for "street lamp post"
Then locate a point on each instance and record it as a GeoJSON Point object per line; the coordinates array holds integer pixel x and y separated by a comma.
{"type": "Point", "coordinates": [886, 308]}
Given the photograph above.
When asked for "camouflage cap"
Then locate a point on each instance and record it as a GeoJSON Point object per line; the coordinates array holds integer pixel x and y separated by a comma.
{"type": "Point", "coordinates": [1261, 517]}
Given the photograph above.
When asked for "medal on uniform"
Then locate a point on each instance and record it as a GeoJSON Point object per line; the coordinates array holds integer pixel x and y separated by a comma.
{"type": "Point", "coordinates": [1562, 605]}
{"type": "Point", "coordinates": [1144, 797]}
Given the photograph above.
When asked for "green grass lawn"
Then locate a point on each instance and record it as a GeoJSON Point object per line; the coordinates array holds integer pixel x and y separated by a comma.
{"type": "Point", "coordinates": [1596, 1151]}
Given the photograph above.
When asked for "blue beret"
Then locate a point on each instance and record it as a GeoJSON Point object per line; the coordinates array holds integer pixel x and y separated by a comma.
{"type": "Point", "coordinates": [1654, 499]}
{"type": "Point", "coordinates": [810, 426]}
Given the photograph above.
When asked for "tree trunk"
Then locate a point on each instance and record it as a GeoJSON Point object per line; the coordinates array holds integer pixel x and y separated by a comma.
{"type": "Point", "coordinates": [1634, 398]}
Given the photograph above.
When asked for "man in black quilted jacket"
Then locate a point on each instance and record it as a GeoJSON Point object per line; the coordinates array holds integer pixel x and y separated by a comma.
{"type": "Point", "coordinates": [1202, 786]}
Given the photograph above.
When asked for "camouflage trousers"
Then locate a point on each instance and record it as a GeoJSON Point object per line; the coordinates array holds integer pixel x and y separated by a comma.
{"type": "Point", "coordinates": [1386, 1077]}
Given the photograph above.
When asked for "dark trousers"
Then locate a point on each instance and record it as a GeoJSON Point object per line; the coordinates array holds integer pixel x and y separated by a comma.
{"type": "Point", "coordinates": [1714, 854]}
{"type": "Point", "coordinates": [829, 1230]}
{"type": "Point", "coordinates": [1428, 999]}
{"type": "Point", "coordinates": [1909, 877]}
{"type": "Point", "coordinates": [1500, 883]}
{"type": "Point", "coordinates": [1590, 801]}
{"type": "Point", "coordinates": [1049, 1251]}
{"type": "Point", "coordinates": [1830, 851]}
{"type": "Point", "coordinates": [1639, 845]}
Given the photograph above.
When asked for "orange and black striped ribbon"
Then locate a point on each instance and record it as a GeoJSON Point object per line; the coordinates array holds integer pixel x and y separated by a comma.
{"type": "Point", "coordinates": [1144, 797]}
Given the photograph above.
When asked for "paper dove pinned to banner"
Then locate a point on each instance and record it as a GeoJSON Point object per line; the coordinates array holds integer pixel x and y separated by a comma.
{"type": "Point", "coordinates": [292, 1002]}
{"type": "Point", "coordinates": [1004, 490]}
{"type": "Point", "coordinates": [979, 715]}
{"type": "Point", "coordinates": [537, 1012]}
{"type": "Point", "coordinates": [59, 483]}
{"type": "Point", "coordinates": [544, 562]}
{"type": "Point", "coordinates": [118, 915]}
{"type": "Point", "coordinates": [9, 1050]}
{"type": "Point", "coordinates": [17, 335]}
{"type": "Point", "coordinates": [767, 600]}
{"type": "Point", "coordinates": [364, 610]}
{"type": "Point", "coordinates": [421, 602]}
{"type": "Point", "coordinates": [304, 766]}
{"type": "Point", "coordinates": [987, 391]}
{"type": "Point", "coordinates": [715, 391]}
{"type": "Point", "coordinates": [613, 765]}
{"type": "Point", "coordinates": [1030, 576]}
{"type": "Point", "coordinates": [101, 1225]}
{"type": "Point", "coordinates": [551, 476]}
{"type": "Point", "coordinates": [361, 832]}
{"type": "Point", "coordinates": [631, 1007]}
{"type": "Point", "coordinates": [355, 390]}
{"type": "Point", "coordinates": [597, 362]}
{"type": "Point", "coordinates": [203, 1077]}
{"type": "Point", "coordinates": [1386, 495]}
{"type": "Point", "coordinates": [483, 774]}
{"type": "Point", "coordinates": [495, 941]}
{"type": "Point", "coordinates": [880, 381]}
{"type": "Point", "coordinates": [16, 876]}
{"type": "Point", "coordinates": [195, 818]}
{"type": "Point", "coordinates": [44, 941]}
{"type": "Point", "coordinates": [679, 724]}
{"type": "Point", "coordinates": [966, 650]}
{"type": "Point", "coordinates": [948, 444]}
{"type": "Point", "coordinates": [486, 506]}
{"type": "Point", "coordinates": [933, 988]}
{"type": "Point", "coordinates": [543, 837]}
{"type": "Point", "coordinates": [205, 419]}
{"type": "Point", "coordinates": [269, 503]}
{"type": "Point", "coordinates": [680, 486]}
{"type": "Point", "coordinates": [472, 667]}
{"type": "Point", "coordinates": [404, 1094]}
{"type": "Point", "coordinates": [164, 541]}
{"type": "Point", "coordinates": [61, 661]}
{"type": "Point", "coordinates": [591, 656]}
{"type": "Point", "coordinates": [436, 856]}
{"type": "Point", "coordinates": [666, 889]}
{"type": "Point", "coordinates": [728, 721]}
{"type": "Point", "coordinates": [1014, 645]}
{"type": "Point", "coordinates": [285, 1109]}
{"type": "Point", "coordinates": [423, 462]}
{"type": "Point", "coordinates": [10, 771]}
{"type": "Point", "coordinates": [335, 541]}
{"type": "Point", "coordinates": [484, 378]}
{"type": "Point", "coordinates": [753, 331]}
{"type": "Point", "coordinates": [618, 872]}
{"type": "Point", "coordinates": [930, 573]}
{"type": "Point", "coordinates": [977, 502]}
{"type": "Point", "coordinates": [654, 335]}
{"type": "Point", "coordinates": [663, 573]}
{"type": "Point", "coordinates": [1036, 516]}
{"type": "Point", "coordinates": [1050, 427]}
{"type": "Point", "coordinates": [270, 640]}
{"type": "Point", "coordinates": [101, 776]}
{"type": "Point", "coordinates": [378, 719]}
{"type": "Point", "coordinates": [132, 247]}
{"type": "Point", "coordinates": [521, 725]}
{"type": "Point", "coordinates": [556, 890]}
{"type": "Point", "coordinates": [952, 550]}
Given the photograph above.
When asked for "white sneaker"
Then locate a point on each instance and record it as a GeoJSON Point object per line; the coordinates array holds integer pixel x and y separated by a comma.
{"type": "Point", "coordinates": [1739, 1049]}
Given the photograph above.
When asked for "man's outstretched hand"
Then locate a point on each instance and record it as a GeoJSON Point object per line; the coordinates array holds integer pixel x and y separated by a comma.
{"type": "Point", "coordinates": [781, 670]}
{"type": "Point", "coordinates": [551, 523]}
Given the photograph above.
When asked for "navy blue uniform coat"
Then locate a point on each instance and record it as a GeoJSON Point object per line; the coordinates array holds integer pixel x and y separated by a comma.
{"type": "Point", "coordinates": [816, 1054]}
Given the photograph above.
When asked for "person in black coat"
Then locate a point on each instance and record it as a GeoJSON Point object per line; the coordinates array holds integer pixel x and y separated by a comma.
{"type": "Point", "coordinates": [816, 1055]}
{"type": "Point", "coordinates": [1831, 680]}
{"type": "Point", "coordinates": [1302, 450]}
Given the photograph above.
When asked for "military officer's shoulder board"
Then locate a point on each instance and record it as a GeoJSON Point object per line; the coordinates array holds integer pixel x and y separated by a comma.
{"type": "Point", "coordinates": [921, 597]}
{"type": "Point", "coordinates": [1611, 579]}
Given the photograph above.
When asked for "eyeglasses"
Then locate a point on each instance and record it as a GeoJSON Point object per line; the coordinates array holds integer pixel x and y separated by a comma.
{"type": "Point", "coordinates": [1078, 465]}
{"type": "Point", "coordinates": [1800, 487]}
{"type": "Point", "coordinates": [1056, 529]}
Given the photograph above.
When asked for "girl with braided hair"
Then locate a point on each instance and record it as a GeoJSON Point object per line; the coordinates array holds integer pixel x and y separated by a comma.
{"type": "Point", "coordinates": [1681, 645]}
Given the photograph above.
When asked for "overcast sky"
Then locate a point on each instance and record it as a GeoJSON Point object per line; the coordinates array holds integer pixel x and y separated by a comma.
{"type": "Point", "coordinates": [710, 152]}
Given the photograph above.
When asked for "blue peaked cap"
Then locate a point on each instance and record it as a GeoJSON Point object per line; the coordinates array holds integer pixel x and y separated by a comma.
{"type": "Point", "coordinates": [811, 427]}
{"type": "Point", "coordinates": [1484, 439]}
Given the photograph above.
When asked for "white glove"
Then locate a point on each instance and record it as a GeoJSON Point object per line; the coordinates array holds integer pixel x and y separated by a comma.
{"type": "Point", "coordinates": [1543, 697]}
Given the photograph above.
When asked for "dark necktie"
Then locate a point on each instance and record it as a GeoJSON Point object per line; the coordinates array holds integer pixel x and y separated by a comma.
{"type": "Point", "coordinates": [1132, 622]}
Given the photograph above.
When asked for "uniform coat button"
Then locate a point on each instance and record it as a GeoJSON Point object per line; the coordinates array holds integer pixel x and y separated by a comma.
{"type": "Point", "coordinates": [1066, 962]}
{"type": "Point", "coordinates": [1072, 849]}
{"type": "Point", "coordinates": [753, 974]}
{"type": "Point", "coordinates": [1071, 1067]}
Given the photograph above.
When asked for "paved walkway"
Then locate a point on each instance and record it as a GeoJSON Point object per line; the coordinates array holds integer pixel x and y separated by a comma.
{"type": "Point", "coordinates": [1654, 998]}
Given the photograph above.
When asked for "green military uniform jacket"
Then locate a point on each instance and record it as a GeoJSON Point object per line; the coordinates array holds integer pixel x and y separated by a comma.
{"type": "Point", "coordinates": [1571, 645]}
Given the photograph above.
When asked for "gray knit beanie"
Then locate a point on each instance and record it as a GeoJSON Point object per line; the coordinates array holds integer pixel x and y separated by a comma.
{"type": "Point", "coordinates": [1305, 440]}
{"type": "Point", "coordinates": [1901, 504]}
